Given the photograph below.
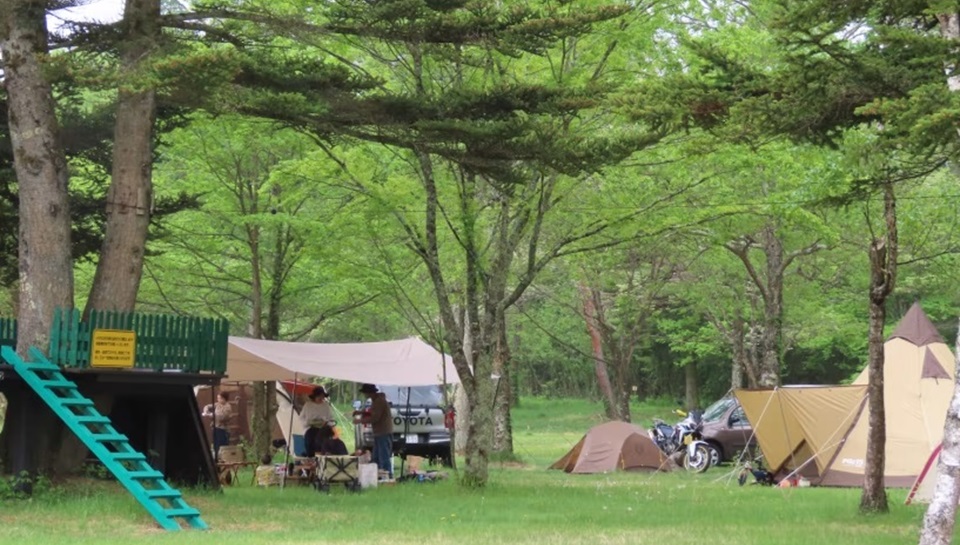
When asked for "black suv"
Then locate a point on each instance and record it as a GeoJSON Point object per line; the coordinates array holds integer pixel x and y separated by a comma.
{"type": "Point", "coordinates": [418, 423]}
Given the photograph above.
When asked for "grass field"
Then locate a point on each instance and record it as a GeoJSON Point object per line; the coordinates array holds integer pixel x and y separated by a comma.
{"type": "Point", "coordinates": [523, 503]}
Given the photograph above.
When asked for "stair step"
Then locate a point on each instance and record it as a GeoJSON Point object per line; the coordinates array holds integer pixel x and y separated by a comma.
{"type": "Point", "coordinates": [155, 494]}
{"type": "Point", "coordinates": [76, 401]}
{"type": "Point", "coordinates": [108, 437]}
{"type": "Point", "coordinates": [64, 383]}
{"type": "Point", "coordinates": [41, 366]}
{"type": "Point", "coordinates": [92, 419]}
{"type": "Point", "coordinates": [147, 474]}
{"type": "Point", "coordinates": [183, 512]}
{"type": "Point", "coordinates": [128, 456]}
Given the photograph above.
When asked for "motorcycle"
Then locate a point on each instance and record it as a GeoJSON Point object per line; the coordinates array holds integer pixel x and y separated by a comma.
{"type": "Point", "coordinates": [683, 436]}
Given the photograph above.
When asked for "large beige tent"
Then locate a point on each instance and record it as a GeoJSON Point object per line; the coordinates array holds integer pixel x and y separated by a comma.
{"type": "Point", "coordinates": [405, 362]}
{"type": "Point", "coordinates": [800, 428]}
{"type": "Point", "coordinates": [918, 385]}
{"type": "Point", "coordinates": [614, 446]}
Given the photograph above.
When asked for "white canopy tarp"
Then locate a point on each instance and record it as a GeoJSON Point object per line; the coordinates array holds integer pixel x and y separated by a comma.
{"type": "Point", "coordinates": [405, 362]}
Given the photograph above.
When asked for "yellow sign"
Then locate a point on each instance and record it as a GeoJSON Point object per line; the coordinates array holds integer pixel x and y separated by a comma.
{"type": "Point", "coordinates": [113, 348]}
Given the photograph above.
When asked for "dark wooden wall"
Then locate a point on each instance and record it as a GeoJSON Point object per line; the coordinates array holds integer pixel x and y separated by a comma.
{"type": "Point", "coordinates": [157, 411]}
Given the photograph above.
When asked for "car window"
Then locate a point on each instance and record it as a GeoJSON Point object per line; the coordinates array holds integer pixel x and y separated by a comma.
{"type": "Point", "coordinates": [738, 419]}
{"type": "Point", "coordinates": [431, 396]}
{"type": "Point", "coordinates": [715, 411]}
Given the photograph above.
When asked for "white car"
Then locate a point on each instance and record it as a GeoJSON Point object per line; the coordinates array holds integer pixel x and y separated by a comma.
{"type": "Point", "coordinates": [418, 423]}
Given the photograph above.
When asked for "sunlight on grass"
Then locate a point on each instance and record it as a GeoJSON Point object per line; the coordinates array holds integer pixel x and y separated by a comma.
{"type": "Point", "coordinates": [522, 504]}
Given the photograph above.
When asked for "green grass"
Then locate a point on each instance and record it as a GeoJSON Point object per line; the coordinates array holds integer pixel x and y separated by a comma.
{"type": "Point", "coordinates": [523, 503]}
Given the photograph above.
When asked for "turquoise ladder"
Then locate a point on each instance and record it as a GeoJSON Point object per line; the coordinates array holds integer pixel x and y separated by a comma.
{"type": "Point", "coordinates": [112, 448]}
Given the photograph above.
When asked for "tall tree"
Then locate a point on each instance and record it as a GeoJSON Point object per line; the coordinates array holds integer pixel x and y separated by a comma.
{"type": "Point", "coordinates": [883, 278]}
{"type": "Point", "coordinates": [488, 148]}
{"type": "Point", "coordinates": [129, 203]}
{"type": "Point", "coordinates": [46, 268]}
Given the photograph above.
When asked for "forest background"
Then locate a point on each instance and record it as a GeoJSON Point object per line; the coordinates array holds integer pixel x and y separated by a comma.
{"type": "Point", "coordinates": [584, 199]}
{"type": "Point", "coordinates": [273, 227]}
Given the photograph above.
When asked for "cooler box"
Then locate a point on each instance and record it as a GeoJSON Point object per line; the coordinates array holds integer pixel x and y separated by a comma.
{"type": "Point", "coordinates": [368, 475]}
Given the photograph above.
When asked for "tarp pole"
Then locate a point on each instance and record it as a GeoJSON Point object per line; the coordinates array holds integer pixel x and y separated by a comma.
{"type": "Point", "coordinates": [406, 432]}
{"type": "Point", "coordinates": [213, 430]}
{"type": "Point", "coordinates": [213, 421]}
{"type": "Point", "coordinates": [286, 452]}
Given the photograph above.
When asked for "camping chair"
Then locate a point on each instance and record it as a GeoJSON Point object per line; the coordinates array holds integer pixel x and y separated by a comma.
{"type": "Point", "coordinates": [229, 461]}
{"type": "Point", "coordinates": [754, 466]}
{"type": "Point", "coordinates": [338, 469]}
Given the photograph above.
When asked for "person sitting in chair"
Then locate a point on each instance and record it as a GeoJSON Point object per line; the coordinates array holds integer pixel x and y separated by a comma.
{"type": "Point", "coordinates": [316, 413]}
{"type": "Point", "coordinates": [330, 445]}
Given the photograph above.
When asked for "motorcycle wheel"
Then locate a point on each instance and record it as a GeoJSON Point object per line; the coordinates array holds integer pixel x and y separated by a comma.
{"type": "Point", "coordinates": [714, 455]}
{"type": "Point", "coordinates": [699, 462]}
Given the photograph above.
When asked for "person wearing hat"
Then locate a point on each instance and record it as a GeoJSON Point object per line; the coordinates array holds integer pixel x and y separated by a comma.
{"type": "Point", "coordinates": [222, 414]}
{"type": "Point", "coordinates": [315, 414]}
{"type": "Point", "coordinates": [381, 421]}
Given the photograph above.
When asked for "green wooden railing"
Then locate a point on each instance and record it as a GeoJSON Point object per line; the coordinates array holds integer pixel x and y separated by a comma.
{"type": "Point", "coordinates": [8, 332]}
{"type": "Point", "coordinates": [187, 344]}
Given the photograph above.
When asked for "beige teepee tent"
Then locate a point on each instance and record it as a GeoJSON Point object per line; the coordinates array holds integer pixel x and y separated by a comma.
{"type": "Point", "coordinates": [814, 431]}
{"type": "Point", "coordinates": [917, 386]}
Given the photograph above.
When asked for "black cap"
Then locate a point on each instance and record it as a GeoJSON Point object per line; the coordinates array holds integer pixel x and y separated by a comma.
{"type": "Point", "coordinates": [368, 389]}
{"type": "Point", "coordinates": [318, 391]}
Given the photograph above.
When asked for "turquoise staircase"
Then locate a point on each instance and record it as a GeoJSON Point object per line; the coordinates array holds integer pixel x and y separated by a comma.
{"type": "Point", "coordinates": [130, 467]}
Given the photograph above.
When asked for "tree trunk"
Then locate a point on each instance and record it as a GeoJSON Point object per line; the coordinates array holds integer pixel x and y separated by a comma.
{"type": "Point", "coordinates": [740, 365]}
{"type": "Point", "coordinates": [461, 403]}
{"type": "Point", "coordinates": [621, 348]}
{"type": "Point", "coordinates": [736, 373]}
{"type": "Point", "coordinates": [480, 425]}
{"type": "Point", "coordinates": [691, 386]}
{"type": "Point", "coordinates": [772, 309]}
{"type": "Point", "coordinates": [45, 259]}
{"type": "Point", "coordinates": [874, 498]}
{"type": "Point", "coordinates": [129, 199]}
{"type": "Point", "coordinates": [46, 267]}
{"type": "Point", "coordinates": [940, 518]}
{"type": "Point", "coordinates": [469, 333]}
{"type": "Point", "coordinates": [883, 270]}
{"type": "Point", "coordinates": [502, 424]}
{"type": "Point", "coordinates": [264, 414]}
{"type": "Point", "coordinates": [461, 406]}
{"type": "Point", "coordinates": [514, 373]}
{"type": "Point", "coordinates": [589, 299]}
{"type": "Point", "coordinates": [265, 393]}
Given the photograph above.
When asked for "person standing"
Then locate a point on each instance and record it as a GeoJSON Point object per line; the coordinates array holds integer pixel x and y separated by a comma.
{"type": "Point", "coordinates": [222, 416]}
{"type": "Point", "coordinates": [381, 421]}
{"type": "Point", "coordinates": [315, 414]}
